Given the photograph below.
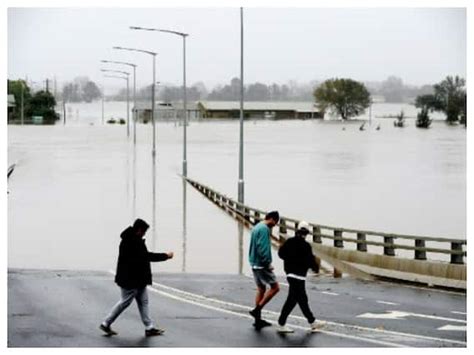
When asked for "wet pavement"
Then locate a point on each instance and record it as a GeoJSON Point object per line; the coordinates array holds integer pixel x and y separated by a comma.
{"type": "Point", "coordinates": [48, 308]}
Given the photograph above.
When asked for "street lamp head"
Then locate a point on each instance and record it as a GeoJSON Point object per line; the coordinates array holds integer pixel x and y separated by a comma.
{"type": "Point", "coordinates": [135, 50]}
{"type": "Point", "coordinates": [115, 71]}
{"type": "Point", "coordinates": [117, 62]}
{"type": "Point", "coordinates": [159, 30]}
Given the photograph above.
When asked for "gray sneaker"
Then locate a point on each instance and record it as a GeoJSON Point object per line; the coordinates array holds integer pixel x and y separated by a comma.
{"type": "Point", "coordinates": [284, 329]}
{"type": "Point", "coordinates": [317, 325]}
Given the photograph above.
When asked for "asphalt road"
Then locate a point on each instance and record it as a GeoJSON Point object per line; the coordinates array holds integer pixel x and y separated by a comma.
{"type": "Point", "coordinates": [64, 309]}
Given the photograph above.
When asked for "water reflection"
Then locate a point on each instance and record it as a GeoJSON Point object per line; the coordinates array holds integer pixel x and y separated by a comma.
{"type": "Point", "coordinates": [153, 183]}
{"type": "Point", "coordinates": [183, 267]}
{"type": "Point", "coordinates": [134, 182]}
{"type": "Point", "coordinates": [241, 247]}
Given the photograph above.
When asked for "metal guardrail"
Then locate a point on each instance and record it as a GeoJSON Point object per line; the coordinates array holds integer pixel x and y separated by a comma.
{"type": "Point", "coordinates": [454, 247]}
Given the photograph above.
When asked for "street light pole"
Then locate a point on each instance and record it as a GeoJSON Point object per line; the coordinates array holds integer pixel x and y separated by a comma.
{"type": "Point", "coordinates": [185, 109]}
{"type": "Point", "coordinates": [22, 102]}
{"type": "Point", "coordinates": [128, 94]}
{"type": "Point", "coordinates": [134, 66]}
{"type": "Point", "coordinates": [241, 141]}
{"type": "Point", "coordinates": [103, 94]}
{"type": "Point", "coordinates": [153, 54]}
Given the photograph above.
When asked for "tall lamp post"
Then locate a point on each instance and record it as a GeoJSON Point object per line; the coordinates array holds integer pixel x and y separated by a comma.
{"type": "Point", "coordinates": [126, 77]}
{"type": "Point", "coordinates": [185, 109]}
{"type": "Point", "coordinates": [241, 141]}
{"type": "Point", "coordinates": [134, 66]}
{"type": "Point", "coordinates": [153, 54]}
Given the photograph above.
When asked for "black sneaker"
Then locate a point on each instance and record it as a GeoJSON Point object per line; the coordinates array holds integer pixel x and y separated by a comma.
{"type": "Point", "coordinates": [256, 313]}
{"type": "Point", "coordinates": [261, 323]}
{"type": "Point", "coordinates": [107, 330]}
{"type": "Point", "coordinates": [154, 331]}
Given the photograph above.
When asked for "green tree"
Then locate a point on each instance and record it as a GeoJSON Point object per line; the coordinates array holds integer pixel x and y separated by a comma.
{"type": "Point", "coordinates": [344, 97]}
{"type": "Point", "coordinates": [15, 88]}
{"type": "Point", "coordinates": [423, 119]}
{"type": "Point", "coordinates": [42, 103]}
{"type": "Point", "coordinates": [449, 97]}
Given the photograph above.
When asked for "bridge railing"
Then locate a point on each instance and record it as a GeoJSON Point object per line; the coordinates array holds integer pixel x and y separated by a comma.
{"type": "Point", "coordinates": [338, 237]}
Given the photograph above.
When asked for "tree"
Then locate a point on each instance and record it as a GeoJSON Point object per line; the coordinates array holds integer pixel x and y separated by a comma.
{"type": "Point", "coordinates": [42, 104]}
{"type": "Point", "coordinates": [15, 88]}
{"type": "Point", "coordinates": [449, 97]}
{"type": "Point", "coordinates": [90, 91]}
{"type": "Point", "coordinates": [393, 89]}
{"type": "Point", "coordinates": [344, 97]}
{"type": "Point", "coordinates": [423, 119]}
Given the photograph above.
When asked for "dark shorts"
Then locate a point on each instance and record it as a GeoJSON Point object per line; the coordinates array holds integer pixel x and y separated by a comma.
{"type": "Point", "coordinates": [264, 277]}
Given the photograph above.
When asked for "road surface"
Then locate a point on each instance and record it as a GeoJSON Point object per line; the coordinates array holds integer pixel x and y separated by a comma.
{"type": "Point", "coordinates": [48, 308]}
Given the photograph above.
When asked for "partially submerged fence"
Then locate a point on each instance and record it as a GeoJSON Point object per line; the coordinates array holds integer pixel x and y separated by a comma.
{"type": "Point", "coordinates": [388, 251]}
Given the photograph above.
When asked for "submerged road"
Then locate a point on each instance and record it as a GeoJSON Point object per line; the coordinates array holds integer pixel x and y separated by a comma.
{"type": "Point", "coordinates": [64, 308]}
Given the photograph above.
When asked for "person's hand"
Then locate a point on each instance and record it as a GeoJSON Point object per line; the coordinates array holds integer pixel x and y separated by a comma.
{"type": "Point", "coordinates": [170, 254]}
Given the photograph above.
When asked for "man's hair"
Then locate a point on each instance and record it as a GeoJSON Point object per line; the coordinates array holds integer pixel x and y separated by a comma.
{"type": "Point", "coordinates": [140, 224]}
{"type": "Point", "coordinates": [273, 215]}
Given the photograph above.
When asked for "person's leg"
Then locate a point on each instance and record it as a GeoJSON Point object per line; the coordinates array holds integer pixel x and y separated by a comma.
{"type": "Point", "coordinates": [256, 312]}
{"type": "Point", "coordinates": [260, 294]}
{"type": "Point", "coordinates": [126, 299]}
{"type": "Point", "coordinates": [302, 299]}
{"type": "Point", "coordinates": [142, 302]}
{"type": "Point", "coordinates": [290, 303]}
{"type": "Point", "coordinates": [274, 288]}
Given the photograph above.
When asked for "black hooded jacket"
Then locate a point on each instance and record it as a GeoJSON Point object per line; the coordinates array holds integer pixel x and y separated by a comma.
{"type": "Point", "coordinates": [297, 256]}
{"type": "Point", "coordinates": [133, 266]}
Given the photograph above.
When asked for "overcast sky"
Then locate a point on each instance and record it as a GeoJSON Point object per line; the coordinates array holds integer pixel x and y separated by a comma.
{"type": "Point", "coordinates": [419, 45]}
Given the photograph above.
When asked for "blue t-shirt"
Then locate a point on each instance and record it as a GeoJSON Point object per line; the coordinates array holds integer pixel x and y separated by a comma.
{"type": "Point", "coordinates": [260, 253]}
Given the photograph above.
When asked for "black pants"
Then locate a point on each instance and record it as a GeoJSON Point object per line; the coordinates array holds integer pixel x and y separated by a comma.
{"type": "Point", "coordinates": [296, 294]}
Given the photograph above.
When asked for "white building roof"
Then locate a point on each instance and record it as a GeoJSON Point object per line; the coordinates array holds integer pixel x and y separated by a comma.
{"type": "Point", "coordinates": [299, 106]}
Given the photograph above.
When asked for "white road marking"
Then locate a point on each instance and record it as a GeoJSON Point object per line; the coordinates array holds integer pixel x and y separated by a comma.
{"type": "Point", "coordinates": [348, 326]}
{"type": "Point", "coordinates": [389, 303]}
{"type": "Point", "coordinates": [360, 298]}
{"type": "Point", "coordinates": [458, 328]}
{"type": "Point", "coordinates": [457, 312]}
{"type": "Point", "coordinates": [402, 315]}
{"type": "Point", "coordinates": [330, 293]}
{"type": "Point", "coordinates": [378, 342]}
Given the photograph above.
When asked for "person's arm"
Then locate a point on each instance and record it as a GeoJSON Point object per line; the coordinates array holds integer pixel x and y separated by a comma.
{"type": "Point", "coordinates": [264, 249]}
{"type": "Point", "coordinates": [283, 251]}
{"type": "Point", "coordinates": [312, 260]}
{"type": "Point", "coordinates": [159, 256]}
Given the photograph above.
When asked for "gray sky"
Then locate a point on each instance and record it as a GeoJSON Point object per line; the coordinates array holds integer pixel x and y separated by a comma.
{"type": "Point", "coordinates": [368, 44]}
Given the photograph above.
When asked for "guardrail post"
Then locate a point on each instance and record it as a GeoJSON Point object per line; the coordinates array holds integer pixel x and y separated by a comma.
{"type": "Point", "coordinates": [456, 258]}
{"type": "Point", "coordinates": [388, 250]}
{"type": "Point", "coordinates": [256, 217]}
{"type": "Point", "coordinates": [361, 238]}
{"type": "Point", "coordinates": [338, 243]}
{"type": "Point", "coordinates": [283, 229]}
{"type": "Point", "coordinates": [420, 254]}
{"type": "Point", "coordinates": [317, 237]}
{"type": "Point", "coordinates": [247, 214]}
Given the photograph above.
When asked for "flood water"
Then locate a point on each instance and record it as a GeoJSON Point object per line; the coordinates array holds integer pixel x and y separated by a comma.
{"type": "Point", "coordinates": [76, 187]}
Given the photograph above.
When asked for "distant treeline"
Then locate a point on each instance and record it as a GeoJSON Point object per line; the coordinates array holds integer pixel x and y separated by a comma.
{"type": "Point", "coordinates": [82, 89]}
{"type": "Point", "coordinates": [392, 89]}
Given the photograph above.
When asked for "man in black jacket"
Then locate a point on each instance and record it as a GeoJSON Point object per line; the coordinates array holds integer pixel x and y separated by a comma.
{"type": "Point", "coordinates": [133, 275]}
{"type": "Point", "coordinates": [298, 258]}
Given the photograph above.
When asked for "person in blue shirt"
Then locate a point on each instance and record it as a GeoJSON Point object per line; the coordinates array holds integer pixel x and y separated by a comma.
{"type": "Point", "coordinates": [260, 258]}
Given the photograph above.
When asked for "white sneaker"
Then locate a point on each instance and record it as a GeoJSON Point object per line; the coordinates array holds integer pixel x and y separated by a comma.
{"type": "Point", "coordinates": [317, 325]}
{"type": "Point", "coordinates": [284, 329]}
